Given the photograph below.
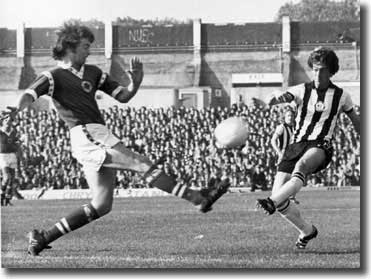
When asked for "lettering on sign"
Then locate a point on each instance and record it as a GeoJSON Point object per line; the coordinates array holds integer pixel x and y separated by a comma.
{"type": "Point", "coordinates": [141, 35]}
{"type": "Point", "coordinates": [257, 78]}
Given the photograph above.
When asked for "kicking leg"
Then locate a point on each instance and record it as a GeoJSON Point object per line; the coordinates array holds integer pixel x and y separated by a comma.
{"type": "Point", "coordinates": [267, 205]}
{"type": "Point", "coordinates": [102, 185]}
{"type": "Point", "coordinates": [284, 187]}
{"type": "Point", "coordinates": [307, 164]}
{"type": "Point", "coordinates": [120, 157]}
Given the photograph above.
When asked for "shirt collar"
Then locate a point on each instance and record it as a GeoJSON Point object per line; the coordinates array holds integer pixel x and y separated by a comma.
{"type": "Point", "coordinates": [64, 65]}
{"type": "Point", "coordinates": [68, 66]}
{"type": "Point", "coordinates": [331, 85]}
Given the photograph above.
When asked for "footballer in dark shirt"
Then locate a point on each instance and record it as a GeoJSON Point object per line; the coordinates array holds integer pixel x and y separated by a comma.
{"type": "Point", "coordinates": [72, 86]}
{"type": "Point", "coordinates": [9, 146]}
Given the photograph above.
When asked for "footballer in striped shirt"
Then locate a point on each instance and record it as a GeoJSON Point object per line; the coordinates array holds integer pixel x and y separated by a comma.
{"type": "Point", "coordinates": [319, 104]}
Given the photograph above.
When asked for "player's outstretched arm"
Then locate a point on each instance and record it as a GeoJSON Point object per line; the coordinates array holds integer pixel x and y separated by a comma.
{"type": "Point", "coordinates": [135, 74]}
{"type": "Point", "coordinates": [274, 140]}
{"type": "Point", "coordinates": [24, 101]}
{"type": "Point", "coordinates": [279, 97]}
{"type": "Point", "coordinates": [276, 98]}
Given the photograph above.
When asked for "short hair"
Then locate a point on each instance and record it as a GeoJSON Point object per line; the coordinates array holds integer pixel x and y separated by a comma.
{"type": "Point", "coordinates": [69, 36]}
{"type": "Point", "coordinates": [324, 56]}
{"type": "Point", "coordinates": [286, 109]}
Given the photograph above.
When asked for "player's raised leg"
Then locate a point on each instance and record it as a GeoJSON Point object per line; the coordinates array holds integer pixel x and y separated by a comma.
{"type": "Point", "coordinates": [102, 186]}
{"type": "Point", "coordinates": [290, 212]}
{"type": "Point", "coordinates": [284, 187]}
{"type": "Point", "coordinates": [120, 157]}
{"type": "Point", "coordinates": [267, 204]}
{"type": "Point", "coordinates": [307, 164]}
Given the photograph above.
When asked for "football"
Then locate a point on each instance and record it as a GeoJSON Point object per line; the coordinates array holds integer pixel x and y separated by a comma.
{"type": "Point", "coordinates": [231, 132]}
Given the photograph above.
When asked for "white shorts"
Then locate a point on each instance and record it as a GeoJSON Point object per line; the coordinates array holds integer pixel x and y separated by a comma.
{"type": "Point", "coordinates": [8, 160]}
{"type": "Point", "coordinates": [89, 144]}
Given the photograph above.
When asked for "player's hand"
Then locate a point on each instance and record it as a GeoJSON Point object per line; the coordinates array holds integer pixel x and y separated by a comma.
{"type": "Point", "coordinates": [259, 102]}
{"type": "Point", "coordinates": [135, 74]}
{"type": "Point", "coordinates": [9, 112]}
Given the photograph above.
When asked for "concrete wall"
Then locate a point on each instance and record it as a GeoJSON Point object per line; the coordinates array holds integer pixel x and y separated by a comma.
{"type": "Point", "coordinates": [10, 72]}
{"type": "Point", "coordinates": [218, 67]}
{"type": "Point", "coordinates": [349, 61]}
{"type": "Point", "coordinates": [176, 70]}
{"type": "Point", "coordinates": [203, 65]}
{"type": "Point", "coordinates": [161, 69]}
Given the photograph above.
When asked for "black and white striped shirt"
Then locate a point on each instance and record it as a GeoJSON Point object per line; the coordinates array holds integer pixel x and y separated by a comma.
{"type": "Point", "coordinates": [284, 135]}
{"type": "Point", "coordinates": [317, 112]}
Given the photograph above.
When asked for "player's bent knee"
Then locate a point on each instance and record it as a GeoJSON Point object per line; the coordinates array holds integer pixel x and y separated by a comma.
{"type": "Point", "coordinates": [301, 166]}
{"type": "Point", "coordinates": [310, 161]}
{"type": "Point", "coordinates": [102, 208]}
{"type": "Point", "coordinates": [280, 179]}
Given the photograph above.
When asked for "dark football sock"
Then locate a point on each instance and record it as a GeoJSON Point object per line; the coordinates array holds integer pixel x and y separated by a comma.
{"type": "Point", "coordinates": [157, 178]}
{"type": "Point", "coordinates": [7, 201]}
{"type": "Point", "coordinates": [75, 220]}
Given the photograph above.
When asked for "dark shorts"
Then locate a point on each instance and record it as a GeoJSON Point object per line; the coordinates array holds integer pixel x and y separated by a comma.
{"type": "Point", "coordinates": [296, 150]}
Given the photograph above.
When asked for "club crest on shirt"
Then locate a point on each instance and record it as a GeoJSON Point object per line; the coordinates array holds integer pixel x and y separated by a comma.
{"type": "Point", "coordinates": [86, 86]}
{"type": "Point", "coordinates": [319, 106]}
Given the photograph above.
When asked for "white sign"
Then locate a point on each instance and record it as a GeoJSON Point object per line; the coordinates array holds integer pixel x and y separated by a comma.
{"type": "Point", "coordinates": [257, 78]}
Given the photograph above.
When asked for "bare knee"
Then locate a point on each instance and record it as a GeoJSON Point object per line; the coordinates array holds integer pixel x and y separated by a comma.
{"type": "Point", "coordinates": [280, 179]}
{"type": "Point", "coordinates": [102, 207]}
{"type": "Point", "coordinates": [310, 161]}
{"type": "Point", "coordinates": [102, 184]}
{"type": "Point", "coordinates": [302, 167]}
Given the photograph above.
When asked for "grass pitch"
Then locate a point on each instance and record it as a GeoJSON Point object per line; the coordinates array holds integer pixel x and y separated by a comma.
{"type": "Point", "coordinates": [168, 232]}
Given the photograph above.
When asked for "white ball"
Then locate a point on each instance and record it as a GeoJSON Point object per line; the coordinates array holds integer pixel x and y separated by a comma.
{"type": "Point", "coordinates": [231, 132]}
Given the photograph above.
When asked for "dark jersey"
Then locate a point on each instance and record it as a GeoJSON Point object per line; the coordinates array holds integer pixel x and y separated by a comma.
{"type": "Point", "coordinates": [73, 92]}
{"type": "Point", "coordinates": [8, 142]}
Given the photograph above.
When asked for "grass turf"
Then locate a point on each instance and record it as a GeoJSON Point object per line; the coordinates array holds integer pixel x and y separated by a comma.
{"type": "Point", "coordinates": [168, 232]}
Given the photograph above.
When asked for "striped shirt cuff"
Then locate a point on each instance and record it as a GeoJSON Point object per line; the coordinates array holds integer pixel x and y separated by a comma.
{"type": "Point", "coordinates": [32, 93]}
{"type": "Point", "coordinates": [117, 91]}
{"type": "Point", "coordinates": [51, 82]}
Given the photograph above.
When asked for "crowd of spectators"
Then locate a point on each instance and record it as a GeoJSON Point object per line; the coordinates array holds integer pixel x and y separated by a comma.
{"type": "Point", "coordinates": [185, 137]}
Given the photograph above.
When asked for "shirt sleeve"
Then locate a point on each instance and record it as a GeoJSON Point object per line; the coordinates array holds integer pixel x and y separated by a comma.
{"type": "Point", "coordinates": [109, 86]}
{"type": "Point", "coordinates": [297, 92]}
{"type": "Point", "coordinates": [42, 85]}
